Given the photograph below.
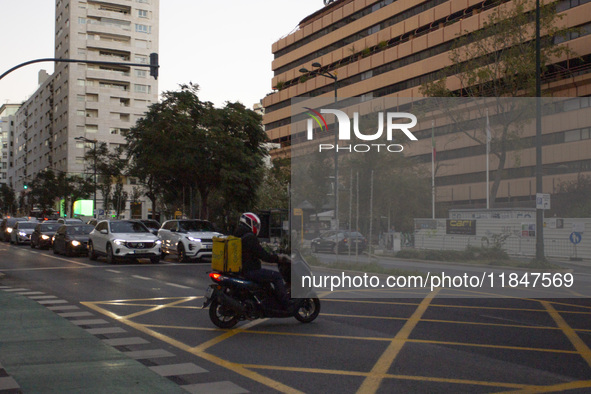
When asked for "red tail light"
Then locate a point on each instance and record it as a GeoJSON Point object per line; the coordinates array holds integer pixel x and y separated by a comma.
{"type": "Point", "coordinates": [215, 276]}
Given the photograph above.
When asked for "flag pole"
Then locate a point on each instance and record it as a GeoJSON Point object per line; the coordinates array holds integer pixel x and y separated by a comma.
{"type": "Point", "coordinates": [487, 164]}
{"type": "Point", "coordinates": [433, 169]}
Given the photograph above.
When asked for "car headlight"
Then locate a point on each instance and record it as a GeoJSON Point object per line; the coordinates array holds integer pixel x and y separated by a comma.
{"type": "Point", "coordinates": [22, 233]}
{"type": "Point", "coordinates": [75, 243]}
{"type": "Point", "coordinates": [119, 242]}
{"type": "Point", "coordinates": [46, 237]}
{"type": "Point", "coordinates": [158, 242]}
{"type": "Point", "coordinates": [193, 239]}
{"type": "Point", "coordinates": [8, 230]}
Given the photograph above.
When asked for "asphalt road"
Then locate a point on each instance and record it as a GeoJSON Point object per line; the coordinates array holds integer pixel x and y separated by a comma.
{"type": "Point", "coordinates": [422, 341]}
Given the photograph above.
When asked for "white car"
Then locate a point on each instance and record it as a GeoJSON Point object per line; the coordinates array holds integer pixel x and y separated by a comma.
{"type": "Point", "coordinates": [187, 238]}
{"type": "Point", "coordinates": [123, 239]}
{"type": "Point", "coordinates": [21, 232]}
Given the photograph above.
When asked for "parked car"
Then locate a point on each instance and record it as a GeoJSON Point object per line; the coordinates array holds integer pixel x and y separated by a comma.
{"type": "Point", "coordinates": [7, 225]}
{"type": "Point", "coordinates": [43, 234]}
{"type": "Point", "coordinates": [152, 225]}
{"type": "Point", "coordinates": [21, 232]}
{"type": "Point", "coordinates": [344, 240]}
{"type": "Point", "coordinates": [72, 239]}
{"type": "Point", "coordinates": [187, 239]}
{"type": "Point", "coordinates": [70, 221]}
{"type": "Point", "coordinates": [123, 239]}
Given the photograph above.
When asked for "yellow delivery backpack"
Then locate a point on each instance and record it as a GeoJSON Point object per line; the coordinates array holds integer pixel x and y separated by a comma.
{"type": "Point", "coordinates": [227, 254]}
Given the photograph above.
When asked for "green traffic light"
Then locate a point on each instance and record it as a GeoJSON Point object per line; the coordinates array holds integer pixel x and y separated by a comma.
{"type": "Point", "coordinates": [25, 187]}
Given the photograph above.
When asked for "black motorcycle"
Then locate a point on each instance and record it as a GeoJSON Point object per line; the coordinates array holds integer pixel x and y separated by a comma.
{"type": "Point", "coordinates": [233, 298]}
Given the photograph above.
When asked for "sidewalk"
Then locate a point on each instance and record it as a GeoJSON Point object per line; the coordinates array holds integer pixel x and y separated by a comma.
{"type": "Point", "coordinates": [42, 352]}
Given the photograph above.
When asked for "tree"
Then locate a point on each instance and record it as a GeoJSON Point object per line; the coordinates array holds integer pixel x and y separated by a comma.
{"type": "Point", "coordinates": [110, 167]}
{"type": "Point", "coordinates": [498, 61]}
{"type": "Point", "coordinates": [44, 190]}
{"type": "Point", "coordinates": [185, 144]}
{"type": "Point", "coordinates": [7, 199]}
{"type": "Point", "coordinates": [571, 199]}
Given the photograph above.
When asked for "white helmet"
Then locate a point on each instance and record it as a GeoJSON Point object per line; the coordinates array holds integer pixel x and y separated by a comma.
{"type": "Point", "coordinates": [252, 221]}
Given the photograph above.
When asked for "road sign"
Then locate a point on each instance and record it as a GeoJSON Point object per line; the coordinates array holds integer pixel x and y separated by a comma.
{"type": "Point", "coordinates": [298, 212]}
{"type": "Point", "coordinates": [542, 201]}
{"type": "Point", "coordinates": [575, 237]}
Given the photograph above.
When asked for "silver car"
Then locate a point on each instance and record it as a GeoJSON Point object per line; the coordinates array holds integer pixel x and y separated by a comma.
{"type": "Point", "coordinates": [123, 239]}
{"type": "Point", "coordinates": [21, 232]}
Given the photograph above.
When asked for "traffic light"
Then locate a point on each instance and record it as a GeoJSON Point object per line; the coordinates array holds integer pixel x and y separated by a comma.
{"type": "Point", "coordinates": [25, 187]}
{"type": "Point", "coordinates": [154, 65]}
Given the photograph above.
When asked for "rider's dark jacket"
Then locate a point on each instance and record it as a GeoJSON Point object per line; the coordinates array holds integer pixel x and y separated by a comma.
{"type": "Point", "coordinates": [252, 251]}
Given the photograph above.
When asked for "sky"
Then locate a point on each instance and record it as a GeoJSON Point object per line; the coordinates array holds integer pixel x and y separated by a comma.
{"type": "Point", "coordinates": [223, 46]}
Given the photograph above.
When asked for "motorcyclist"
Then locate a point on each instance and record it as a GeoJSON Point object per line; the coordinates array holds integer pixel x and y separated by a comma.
{"type": "Point", "coordinates": [248, 229]}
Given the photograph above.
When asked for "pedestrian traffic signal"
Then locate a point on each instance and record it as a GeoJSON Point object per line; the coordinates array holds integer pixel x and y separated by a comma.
{"type": "Point", "coordinates": [154, 65]}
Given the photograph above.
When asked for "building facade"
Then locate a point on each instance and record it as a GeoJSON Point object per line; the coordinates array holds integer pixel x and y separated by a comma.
{"type": "Point", "coordinates": [93, 101]}
{"type": "Point", "coordinates": [7, 121]}
{"type": "Point", "coordinates": [390, 48]}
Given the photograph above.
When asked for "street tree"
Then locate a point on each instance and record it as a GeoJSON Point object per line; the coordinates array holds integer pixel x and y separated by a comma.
{"type": "Point", "coordinates": [110, 166]}
{"type": "Point", "coordinates": [7, 199]}
{"type": "Point", "coordinates": [498, 62]}
{"type": "Point", "coordinates": [185, 144]}
{"type": "Point", "coordinates": [44, 190]}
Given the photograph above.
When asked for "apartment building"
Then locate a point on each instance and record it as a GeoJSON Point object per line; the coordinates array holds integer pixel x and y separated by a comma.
{"type": "Point", "coordinates": [389, 48]}
{"type": "Point", "coordinates": [95, 101]}
{"type": "Point", "coordinates": [7, 112]}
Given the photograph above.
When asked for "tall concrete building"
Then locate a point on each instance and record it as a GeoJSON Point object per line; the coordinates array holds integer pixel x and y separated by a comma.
{"type": "Point", "coordinates": [98, 102]}
{"type": "Point", "coordinates": [7, 121]}
{"type": "Point", "coordinates": [389, 48]}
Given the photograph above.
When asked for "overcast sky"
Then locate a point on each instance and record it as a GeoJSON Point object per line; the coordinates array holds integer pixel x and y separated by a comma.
{"type": "Point", "coordinates": [223, 46]}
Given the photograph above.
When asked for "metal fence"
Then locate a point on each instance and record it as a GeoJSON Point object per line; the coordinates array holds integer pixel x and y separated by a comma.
{"type": "Point", "coordinates": [517, 236]}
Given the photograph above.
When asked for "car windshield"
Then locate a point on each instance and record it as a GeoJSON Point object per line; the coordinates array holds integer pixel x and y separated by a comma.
{"type": "Point", "coordinates": [151, 223]}
{"type": "Point", "coordinates": [128, 227]}
{"type": "Point", "coordinates": [26, 225]}
{"type": "Point", "coordinates": [197, 225]}
{"type": "Point", "coordinates": [50, 226]}
{"type": "Point", "coordinates": [80, 230]}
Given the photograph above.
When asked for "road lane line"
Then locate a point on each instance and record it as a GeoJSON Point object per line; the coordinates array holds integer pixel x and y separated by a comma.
{"type": "Point", "coordinates": [571, 334]}
{"type": "Point", "coordinates": [179, 286]}
{"type": "Point", "coordinates": [199, 350]}
{"type": "Point", "coordinates": [372, 382]}
{"type": "Point", "coordinates": [141, 277]}
{"type": "Point", "coordinates": [391, 376]}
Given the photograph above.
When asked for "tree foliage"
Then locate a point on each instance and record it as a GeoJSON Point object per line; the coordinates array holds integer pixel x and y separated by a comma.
{"type": "Point", "coordinates": [571, 200]}
{"type": "Point", "coordinates": [184, 144]}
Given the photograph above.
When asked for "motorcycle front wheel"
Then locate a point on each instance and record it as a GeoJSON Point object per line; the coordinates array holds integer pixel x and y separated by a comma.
{"type": "Point", "coordinates": [221, 315]}
{"type": "Point", "coordinates": [308, 310]}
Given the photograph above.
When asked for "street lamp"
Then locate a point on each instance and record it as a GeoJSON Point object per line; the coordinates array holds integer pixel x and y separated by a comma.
{"type": "Point", "coordinates": [328, 74]}
{"type": "Point", "coordinates": [84, 139]}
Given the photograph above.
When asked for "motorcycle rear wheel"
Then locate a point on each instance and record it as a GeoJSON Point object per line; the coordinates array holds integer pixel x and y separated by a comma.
{"type": "Point", "coordinates": [308, 310]}
{"type": "Point", "coordinates": [221, 315]}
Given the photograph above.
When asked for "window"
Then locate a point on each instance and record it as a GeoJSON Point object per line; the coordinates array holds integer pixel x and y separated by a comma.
{"type": "Point", "coordinates": [141, 73]}
{"type": "Point", "coordinates": [142, 13]}
{"type": "Point", "coordinates": [143, 28]}
{"type": "Point", "coordinates": [141, 88]}
{"type": "Point", "coordinates": [141, 59]}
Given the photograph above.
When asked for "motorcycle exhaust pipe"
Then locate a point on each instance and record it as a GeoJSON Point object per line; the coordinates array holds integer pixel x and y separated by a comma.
{"type": "Point", "coordinates": [228, 301]}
